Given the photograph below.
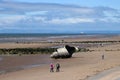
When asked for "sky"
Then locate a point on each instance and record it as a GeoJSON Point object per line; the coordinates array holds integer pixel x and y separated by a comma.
{"type": "Point", "coordinates": [59, 16]}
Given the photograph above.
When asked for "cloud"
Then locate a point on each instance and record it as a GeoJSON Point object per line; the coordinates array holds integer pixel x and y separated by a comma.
{"type": "Point", "coordinates": [110, 20]}
{"type": "Point", "coordinates": [27, 15]}
{"type": "Point", "coordinates": [71, 21]}
{"type": "Point", "coordinates": [22, 8]}
{"type": "Point", "coordinates": [37, 13]}
{"type": "Point", "coordinates": [7, 20]}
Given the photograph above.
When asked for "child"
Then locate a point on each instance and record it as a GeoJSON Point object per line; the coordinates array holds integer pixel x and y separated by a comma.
{"type": "Point", "coordinates": [51, 67]}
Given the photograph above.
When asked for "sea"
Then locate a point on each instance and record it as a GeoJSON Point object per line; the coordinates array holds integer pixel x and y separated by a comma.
{"type": "Point", "coordinates": [30, 37]}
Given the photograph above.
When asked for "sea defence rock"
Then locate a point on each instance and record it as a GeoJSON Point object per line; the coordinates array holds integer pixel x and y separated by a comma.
{"type": "Point", "coordinates": [65, 52]}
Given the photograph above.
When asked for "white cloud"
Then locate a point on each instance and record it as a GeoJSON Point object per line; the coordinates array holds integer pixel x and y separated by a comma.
{"type": "Point", "coordinates": [71, 20]}
{"type": "Point", "coordinates": [36, 13]}
{"type": "Point", "coordinates": [39, 18]}
{"type": "Point", "coordinates": [7, 20]}
{"type": "Point", "coordinates": [83, 10]}
{"type": "Point", "coordinates": [110, 20]}
{"type": "Point", "coordinates": [111, 13]}
{"type": "Point", "coordinates": [32, 13]}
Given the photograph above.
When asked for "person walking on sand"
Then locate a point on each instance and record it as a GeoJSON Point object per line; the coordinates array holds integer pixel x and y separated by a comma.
{"type": "Point", "coordinates": [51, 67]}
{"type": "Point", "coordinates": [57, 67]}
{"type": "Point", "coordinates": [103, 57]}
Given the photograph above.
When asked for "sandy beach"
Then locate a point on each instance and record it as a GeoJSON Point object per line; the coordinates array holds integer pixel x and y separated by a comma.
{"type": "Point", "coordinates": [81, 66]}
{"type": "Point", "coordinates": [81, 37]}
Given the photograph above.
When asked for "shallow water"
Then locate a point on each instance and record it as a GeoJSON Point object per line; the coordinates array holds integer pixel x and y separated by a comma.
{"type": "Point", "coordinates": [43, 37]}
{"type": "Point", "coordinates": [1, 58]}
{"type": "Point", "coordinates": [15, 63]}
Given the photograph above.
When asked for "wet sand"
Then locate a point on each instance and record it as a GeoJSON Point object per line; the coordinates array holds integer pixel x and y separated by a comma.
{"type": "Point", "coordinates": [80, 67]}
{"type": "Point", "coordinates": [13, 62]}
{"type": "Point", "coordinates": [111, 74]}
{"type": "Point", "coordinates": [51, 42]}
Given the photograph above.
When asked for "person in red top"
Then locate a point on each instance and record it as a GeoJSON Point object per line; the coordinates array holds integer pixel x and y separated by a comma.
{"type": "Point", "coordinates": [51, 67]}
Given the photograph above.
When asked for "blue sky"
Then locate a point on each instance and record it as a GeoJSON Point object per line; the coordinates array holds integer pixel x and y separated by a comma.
{"type": "Point", "coordinates": [59, 16]}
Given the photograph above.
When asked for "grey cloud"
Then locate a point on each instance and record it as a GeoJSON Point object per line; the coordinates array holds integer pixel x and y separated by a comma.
{"type": "Point", "coordinates": [26, 7]}
{"type": "Point", "coordinates": [57, 12]}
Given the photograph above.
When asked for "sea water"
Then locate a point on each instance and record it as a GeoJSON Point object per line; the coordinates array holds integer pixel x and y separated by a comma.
{"type": "Point", "coordinates": [21, 37]}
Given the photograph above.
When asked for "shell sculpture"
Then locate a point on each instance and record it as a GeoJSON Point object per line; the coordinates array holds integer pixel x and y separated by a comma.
{"type": "Point", "coordinates": [65, 52]}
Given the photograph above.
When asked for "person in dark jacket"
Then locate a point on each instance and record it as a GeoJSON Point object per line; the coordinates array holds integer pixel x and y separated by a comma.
{"type": "Point", "coordinates": [57, 67]}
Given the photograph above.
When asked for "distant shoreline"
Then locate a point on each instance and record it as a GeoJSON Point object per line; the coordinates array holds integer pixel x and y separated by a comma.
{"type": "Point", "coordinates": [6, 38]}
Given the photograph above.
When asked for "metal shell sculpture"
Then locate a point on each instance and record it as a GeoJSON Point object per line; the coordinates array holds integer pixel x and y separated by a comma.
{"type": "Point", "coordinates": [65, 52]}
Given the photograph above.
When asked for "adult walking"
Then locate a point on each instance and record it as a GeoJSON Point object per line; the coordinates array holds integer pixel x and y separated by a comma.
{"type": "Point", "coordinates": [57, 67]}
{"type": "Point", "coordinates": [103, 57]}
